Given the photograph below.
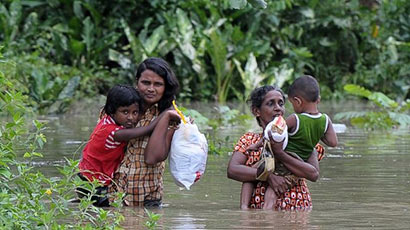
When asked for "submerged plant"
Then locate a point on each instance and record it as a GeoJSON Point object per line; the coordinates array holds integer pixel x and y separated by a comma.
{"type": "Point", "coordinates": [153, 219]}
{"type": "Point", "coordinates": [388, 113]}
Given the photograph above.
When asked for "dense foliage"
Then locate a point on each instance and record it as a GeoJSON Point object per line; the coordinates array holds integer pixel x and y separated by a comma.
{"type": "Point", "coordinates": [385, 112]}
{"type": "Point", "coordinates": [28, 198]}
{"type": "Point", "coordinates": [220, 50]}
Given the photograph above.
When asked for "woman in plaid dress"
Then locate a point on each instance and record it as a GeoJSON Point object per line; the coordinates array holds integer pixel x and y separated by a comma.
{"type": "Point", "coordinates": [139, 175]}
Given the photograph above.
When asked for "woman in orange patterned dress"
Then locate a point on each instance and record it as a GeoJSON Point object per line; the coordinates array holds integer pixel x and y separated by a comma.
{"type": "Point", "coordinates": [268, 102]}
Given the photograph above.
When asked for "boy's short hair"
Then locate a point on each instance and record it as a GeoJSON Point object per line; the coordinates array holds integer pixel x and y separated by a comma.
{"type": "Point", "coordinates": [121, 95]}
{"type": "Point", "coordinates": [305, 87]}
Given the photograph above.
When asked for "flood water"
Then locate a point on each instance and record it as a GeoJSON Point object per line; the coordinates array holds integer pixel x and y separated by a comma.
{"type": "Point", "coordinates": [364, 182]}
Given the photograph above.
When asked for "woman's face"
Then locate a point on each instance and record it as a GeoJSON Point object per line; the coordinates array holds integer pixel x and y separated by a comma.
{"type": "Point", "coordinates": [151, 87]}
{"type": "Point", "coordinates": [273, 105]}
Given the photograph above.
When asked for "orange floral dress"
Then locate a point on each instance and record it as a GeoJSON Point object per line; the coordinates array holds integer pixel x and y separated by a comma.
{"type": "Point", "coordinates": [296, 198]}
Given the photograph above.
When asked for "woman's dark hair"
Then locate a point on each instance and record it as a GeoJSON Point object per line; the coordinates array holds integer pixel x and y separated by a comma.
{"type": "Point", "coordinates": [121, 95]}
{"type": "Point", "coordinates": [162, 68]}
{"type": "Point", "coordinates": [258, 94]}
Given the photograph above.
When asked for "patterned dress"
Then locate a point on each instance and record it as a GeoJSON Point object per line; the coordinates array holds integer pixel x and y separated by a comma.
{"type": "Point", "coordinates": [139, 181]}
{"type": "Point", "coordinates": [296, 198]}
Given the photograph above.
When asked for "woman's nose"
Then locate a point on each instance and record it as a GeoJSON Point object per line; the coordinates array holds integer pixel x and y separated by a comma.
{"type": "Point", "coordinates": [151, 88]}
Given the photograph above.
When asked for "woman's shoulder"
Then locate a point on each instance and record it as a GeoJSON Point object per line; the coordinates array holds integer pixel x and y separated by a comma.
{"type": "Point", "coordinates": [246, 140]}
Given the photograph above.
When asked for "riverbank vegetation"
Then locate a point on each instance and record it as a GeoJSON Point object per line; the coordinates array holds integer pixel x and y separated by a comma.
{"type": "Point", "coordinates": [220, 50]}
{"type": "Point", "coordinates": [29, 199]}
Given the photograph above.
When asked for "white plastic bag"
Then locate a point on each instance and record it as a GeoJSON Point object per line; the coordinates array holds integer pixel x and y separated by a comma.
{"type": "Point", "coordinates": [278, 137]}
{"type": "Point", "coordinates": [188, 154]}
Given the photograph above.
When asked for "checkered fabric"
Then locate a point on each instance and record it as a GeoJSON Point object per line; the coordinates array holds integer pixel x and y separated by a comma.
{"type": "Point", "coordinates": [134, 177]}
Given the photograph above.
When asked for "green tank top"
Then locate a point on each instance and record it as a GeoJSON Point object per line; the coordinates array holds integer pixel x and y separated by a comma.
{"type": "Point", "coordinates": [309, 130]}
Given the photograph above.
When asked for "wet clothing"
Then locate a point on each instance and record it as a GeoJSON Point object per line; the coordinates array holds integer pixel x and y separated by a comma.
{"type": "Point", "coordinates": [309, 130]}
{"type": "Point", "coordinates": [296, 198]}
{"type": "Point", "coordinates": [102, 155]}
{"type": "Point", "coordinates": [142, 183]}
{"type": "Point", "coordinates": [99, 197]}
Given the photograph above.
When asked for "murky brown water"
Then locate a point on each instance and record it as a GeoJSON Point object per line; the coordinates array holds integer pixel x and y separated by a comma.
{"type": "Point", "coordinates": [365, 182]}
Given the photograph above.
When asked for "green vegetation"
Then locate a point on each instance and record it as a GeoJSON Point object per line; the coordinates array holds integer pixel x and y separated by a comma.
{"type": "Point", "coordinates": [385, 112]}
{"type": "Point", "coordinates": [223, 117]}
{"type": "Point", "coordinates": [219, 49]}
{"type": "Point", "coordinates": [153, 218]}
{"type": "Point", "coordinates": [29, 199]}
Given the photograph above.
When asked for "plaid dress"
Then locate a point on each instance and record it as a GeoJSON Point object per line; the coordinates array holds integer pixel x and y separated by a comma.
{"type": "Point", "coordinates": [295, 198]}
{"type": "Point", "coordinates": [139, 181]}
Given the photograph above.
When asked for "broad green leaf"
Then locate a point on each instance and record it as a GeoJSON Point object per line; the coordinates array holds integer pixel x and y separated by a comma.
{"type": "Point", "coordinates": [188, 50]}
{"type": "Point", "coordinates": [37, 154]}
{"type": "Point", "coordinates": [184, 26]}
{"type": "Point", "coordinates": [88, 32]}
{"type": "Point", "coordinates": [78, 11]}
{"type": "Point", "coordinates": [94, 13]}
{"type": "Point", "coordinates": [343, 23]}
{"type": "Point", "coordinates": [383, 100]}
{"type": "Point", "coordinates": [258, 3]}
{"type": "Point", "coordinates": [307, 12]}
{"type": "Point", "coordinates": [349, 115]}
{"type": "Point", "coordinates": [357, 90]}
{"type": "Point", "coordinates": [401, 118]}
{"type": "Point", "coordinates": [15, 13]}
{"type": "Point", "coordinates": [325, 42]}
{"type": "Point", "coordinates": [134, 42]}
{"type": "Point", "coordinates": [118, 57]}
{"type": "Point", "coordinates": [76, 47]}
{"type": "Point", "coordinates": [302, 52]}
{"type": "Point", "coordinates": [237, 4]}
{"type": "Point", "coordinates": [279, 75]}
{"type": "Point", "coordinates": [217, 51]}
{"type": "Point", "coordinates": [69, 89]}
{"type": "Point", "coordinates": [4, 172]}
{"type": "Point", "coordinates": [31, 3]}
{"type": "Point", "coordinates": [151, 43]}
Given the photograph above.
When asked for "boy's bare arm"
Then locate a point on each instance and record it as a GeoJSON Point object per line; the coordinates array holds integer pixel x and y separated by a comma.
{"type": "Point", "coordinates": [330, 137]}
{"type": "Point", "coordinates": [291, 123]}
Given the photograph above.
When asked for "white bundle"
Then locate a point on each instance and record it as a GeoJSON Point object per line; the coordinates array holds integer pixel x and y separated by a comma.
{"type": "Point", "coordinates": [188, 155]}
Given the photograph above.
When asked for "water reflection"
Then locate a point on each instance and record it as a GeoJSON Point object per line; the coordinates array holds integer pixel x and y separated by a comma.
{"type": "Point", "coordinates": [365, 182]}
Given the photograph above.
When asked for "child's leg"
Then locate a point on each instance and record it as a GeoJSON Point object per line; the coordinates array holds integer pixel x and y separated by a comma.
{"type": "Point", "coordinates": [270, 199]}
{"type": "Point", "coordinates": [246, 194]}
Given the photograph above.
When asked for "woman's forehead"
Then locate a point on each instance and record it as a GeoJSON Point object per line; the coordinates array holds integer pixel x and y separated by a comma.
{"type": "Point", "coordinates": [273, 94]}
{"type": "Point", "coordinates": [150, 75]}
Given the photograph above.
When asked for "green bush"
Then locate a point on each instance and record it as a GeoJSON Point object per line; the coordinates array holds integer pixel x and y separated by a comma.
{"type": "Point", "coordinates": [29, 199]}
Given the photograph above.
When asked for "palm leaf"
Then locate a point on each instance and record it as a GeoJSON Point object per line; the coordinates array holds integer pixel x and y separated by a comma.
{"type": "Point", "coordinates": [349, 115]}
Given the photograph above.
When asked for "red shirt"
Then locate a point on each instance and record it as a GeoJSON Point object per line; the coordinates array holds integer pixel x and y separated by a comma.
{"type": "Point", "coordinates": [102, 155]}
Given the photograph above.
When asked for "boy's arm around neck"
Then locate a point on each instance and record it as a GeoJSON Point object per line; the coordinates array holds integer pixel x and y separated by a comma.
{"type": "Point", "coordinates": [129, 134]}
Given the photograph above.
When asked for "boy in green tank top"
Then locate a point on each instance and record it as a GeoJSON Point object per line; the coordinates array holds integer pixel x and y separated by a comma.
{"type": "Point", "coordinates": [305, 128]}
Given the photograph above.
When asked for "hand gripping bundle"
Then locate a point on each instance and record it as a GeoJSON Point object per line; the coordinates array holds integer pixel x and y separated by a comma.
{"type": "Point", "coordinates": [188, 153]}
{"type": "Point", "coordinates": [279, 132]}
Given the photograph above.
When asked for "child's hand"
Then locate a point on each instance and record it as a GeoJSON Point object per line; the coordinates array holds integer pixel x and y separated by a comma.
{"type": "Point", "coordinates": [173, 115]}
{"type": "Point", "coordinates": [256, 146]}
{"type": "Point", "coordinates": [276, 146]}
